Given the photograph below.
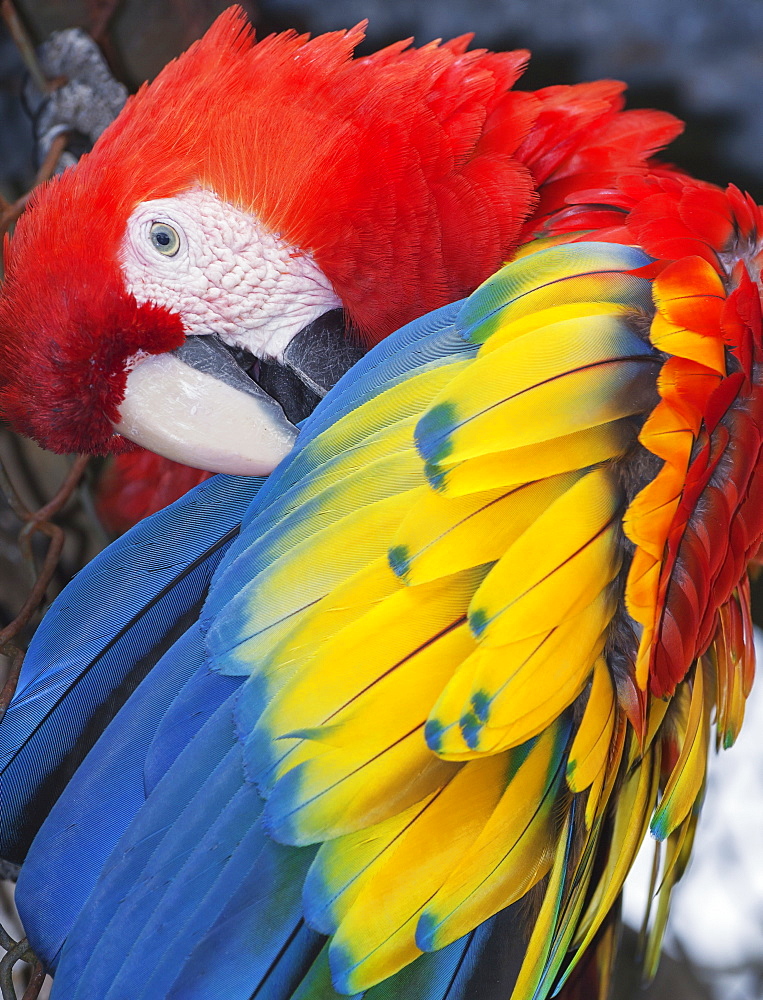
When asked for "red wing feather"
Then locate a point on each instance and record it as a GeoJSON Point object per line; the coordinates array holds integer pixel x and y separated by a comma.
{"type": "Point", "coordinates": [697, 523]}
{"type": "Point", "coordinates": [138, 483]}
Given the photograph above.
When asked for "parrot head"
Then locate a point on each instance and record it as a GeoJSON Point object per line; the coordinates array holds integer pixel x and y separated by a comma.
{"type": "Point", "coordinates": [254, 218]}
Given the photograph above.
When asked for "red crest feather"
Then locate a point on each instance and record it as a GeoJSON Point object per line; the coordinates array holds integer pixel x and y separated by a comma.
{"type": "Point", "coordinates": [411, 175]}
{"type": "Point", "coordinates": [396, 169]}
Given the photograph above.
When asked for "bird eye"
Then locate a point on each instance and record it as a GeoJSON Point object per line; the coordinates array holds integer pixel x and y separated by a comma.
{"type": "Point", "coordinates": [164, 239]}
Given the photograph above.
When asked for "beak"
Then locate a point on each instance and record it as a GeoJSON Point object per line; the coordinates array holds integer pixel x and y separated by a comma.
{"type": "Point", "coordinates": [213, 407]}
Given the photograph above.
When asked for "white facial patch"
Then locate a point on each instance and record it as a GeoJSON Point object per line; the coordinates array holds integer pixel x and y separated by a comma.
{"type": "Point", "coordinates": [225, 273]}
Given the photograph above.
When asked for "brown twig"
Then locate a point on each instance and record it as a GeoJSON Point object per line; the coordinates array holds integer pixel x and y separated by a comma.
{"type": "Point", "coordinates": [18, 952]}
{"type": "Point", "coordinates": [12, 678]}
{"type": "Point", "coordinates": [50, 162]}
{"type": "Point", "coordinates": [35, 983]}
{"type": "Point", "coordinates": [37, 593]}
{"type": "Point", "coordinates": [25, 46]}
{"type": "Point", "coordinates": [68, 486]}
{"type": "Point", "coordinates": [35, 521]}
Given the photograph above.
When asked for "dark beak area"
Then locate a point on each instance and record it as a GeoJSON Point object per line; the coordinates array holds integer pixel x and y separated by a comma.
{"type": "Point", "coordinates": [221, 409]}
{"type": "Point", "coordinates": [317, 357]}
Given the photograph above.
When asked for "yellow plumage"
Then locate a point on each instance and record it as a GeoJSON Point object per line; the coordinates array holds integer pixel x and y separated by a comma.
{"type": "Point", "coordinates": [415, 866]}
{"type": "Point", "coordinates": [439, 692]}
{"type": "Point", "coordinates": [590, 748]}
{"type": "Point", "coordinates": [535, 461]}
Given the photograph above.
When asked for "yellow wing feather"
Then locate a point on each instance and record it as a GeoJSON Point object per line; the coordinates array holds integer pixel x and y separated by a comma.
{"type": "Point", "coordinates": [556, 568]}
{"type": "Point", "coordinates": [435, 701]}
{"type": "Point", "coordinates": [441, 535]}
{"type": "Point", "coordinates": [414, 868]}
{"type": "Point", "coordinates": [590, 748]}
{"type": "Point", "coordinates": [512, 852]}
{"type": "Point", "coordinates": [688, 775]}
{"type": "Point", "coordinates": [535, 389]}
{"type": "Point", "coordinates": [526, 464]}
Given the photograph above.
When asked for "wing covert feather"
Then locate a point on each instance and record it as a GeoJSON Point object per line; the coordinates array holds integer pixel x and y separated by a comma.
{"type": "Point", "coordinates": [411, 695]}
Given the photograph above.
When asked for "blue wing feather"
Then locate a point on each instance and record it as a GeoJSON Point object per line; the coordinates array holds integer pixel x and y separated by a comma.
{"type": "Point", "coordinates": [85, 663]}
{"type": "Point", "coordinates": [195, 900]}
{"type": "Point", "coordinates": [179, 806]}
{"type": "Point", "coordinates": [72, 846]}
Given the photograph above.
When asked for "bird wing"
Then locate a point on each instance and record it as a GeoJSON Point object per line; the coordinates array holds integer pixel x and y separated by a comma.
{"type": "Point", "coordinates": [100, 639]}
{"type": "Point", "coordinates": [450, 692]}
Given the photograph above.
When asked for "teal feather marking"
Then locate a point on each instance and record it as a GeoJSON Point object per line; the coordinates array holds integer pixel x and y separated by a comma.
{"type": "Point", "coordinates": [426, 931]}
{"type": "Point", "coordinates": [433, 431]}
{"type": "Point", "coordinates": [399, 560]}
{"type": "Point", "coordinates": [433, 734]}
{"type": "Point", "coordinates": [660, 825]}
{"type": "Point", "coordinates": [478, 622]}
{"type": "Point", "coordinates": [436, 475]}
{"type": "Point", "coordinates": [481, 704]}
{"type": "Point", "coordinates": [470, 727]}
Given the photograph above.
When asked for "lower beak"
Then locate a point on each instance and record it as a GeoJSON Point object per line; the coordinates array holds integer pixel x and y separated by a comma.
{"type": "Point", "coordinates": [198, 406]}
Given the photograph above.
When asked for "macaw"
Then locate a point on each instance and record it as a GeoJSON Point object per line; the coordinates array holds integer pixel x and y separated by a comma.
{"type": "Point", "coordinates": [395, 720]}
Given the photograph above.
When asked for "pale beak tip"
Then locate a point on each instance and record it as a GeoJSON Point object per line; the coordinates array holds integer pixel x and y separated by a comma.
{"type": "Point", "coordinates": [191, 417]}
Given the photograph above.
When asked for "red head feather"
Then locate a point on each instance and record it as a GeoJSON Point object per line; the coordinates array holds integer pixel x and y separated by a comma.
{"type": "Point", "coordinates": [400, 172]}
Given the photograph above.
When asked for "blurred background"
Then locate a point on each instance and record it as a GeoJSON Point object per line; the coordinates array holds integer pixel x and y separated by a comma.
{"type": "Point", "coordinates": [701, 60]}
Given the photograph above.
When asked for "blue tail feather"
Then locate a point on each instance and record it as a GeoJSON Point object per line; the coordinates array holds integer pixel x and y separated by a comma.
{"type": "Point", "coordinates": [253, 915]}
{"type": "Point", "coordinates": [86, 661]}
{"type": "Point", "coordinates": [194, 704]}
{"type": "Point", "coordinates": [176, 804]}
{"type": "Point", "coordinates": [211, 870]}
{"type": "Point", "coordinates": [163, 917]}
{"type": "Point", "coordinates": [96, 807]}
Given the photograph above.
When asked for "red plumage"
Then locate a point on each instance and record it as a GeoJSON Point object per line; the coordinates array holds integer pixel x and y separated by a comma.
{"type": "Point", "coordinates": [721, 510]}
{"type": "Point", "coordinates": [684, 223]}
{"type": "Point", "coordinates": [410, 175]}
{"type": "Point", "coordinates": [138, 483]}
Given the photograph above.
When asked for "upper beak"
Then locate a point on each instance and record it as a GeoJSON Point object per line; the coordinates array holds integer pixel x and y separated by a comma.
{"type": "Point", "coordinates": [213, 408]}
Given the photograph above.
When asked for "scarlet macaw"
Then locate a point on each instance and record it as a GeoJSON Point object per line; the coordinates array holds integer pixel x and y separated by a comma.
{"type": "Point", "coordinates": [465, 649]}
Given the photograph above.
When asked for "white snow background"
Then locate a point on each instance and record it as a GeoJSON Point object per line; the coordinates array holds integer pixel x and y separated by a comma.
{"type": "Point", "coordinates": [716, 916]}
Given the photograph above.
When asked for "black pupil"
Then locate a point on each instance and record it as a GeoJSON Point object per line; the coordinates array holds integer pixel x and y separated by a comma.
{"type": "Point", "coordinates": [163, 239]}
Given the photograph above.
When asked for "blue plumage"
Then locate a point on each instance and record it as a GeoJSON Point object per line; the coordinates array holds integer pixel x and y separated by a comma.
{"type": "Point", "coordinates": [100, 639]}
{"type": "Point", "coordinates": [164, 833]}
{"type": "Point", "coordinates": [194, 899]}
{"type": "Point", "coordinates": [83, 826]}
